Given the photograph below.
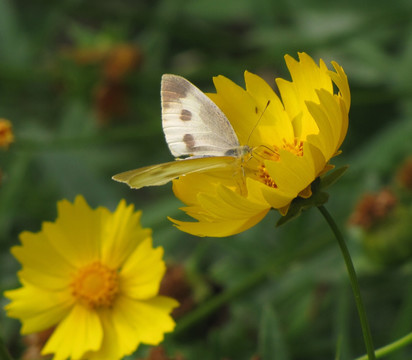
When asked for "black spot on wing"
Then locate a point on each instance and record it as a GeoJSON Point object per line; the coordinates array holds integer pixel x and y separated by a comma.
{"type": "Point", "coordinates": [185, 115]}
{"type": "Point", "coordinates": [189, 140]}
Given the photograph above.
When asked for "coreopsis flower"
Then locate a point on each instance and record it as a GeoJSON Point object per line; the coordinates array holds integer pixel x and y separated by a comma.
{"type": "Point", "coordinates": [293, 140]}
{"type": "Point", "coordinates": [94, 276]}
{"type": "Point", "coordinates": [6, 133]}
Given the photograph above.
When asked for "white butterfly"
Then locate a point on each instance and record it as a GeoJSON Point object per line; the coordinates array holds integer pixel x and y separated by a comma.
{"type": "Point", "coordinates": [194, 128]}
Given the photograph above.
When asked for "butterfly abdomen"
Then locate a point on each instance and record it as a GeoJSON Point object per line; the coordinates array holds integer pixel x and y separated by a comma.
{"type": "Point", "coordinates": [238, 151]}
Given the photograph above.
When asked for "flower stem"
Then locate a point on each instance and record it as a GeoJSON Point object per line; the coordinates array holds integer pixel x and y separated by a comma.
{"type": "Point", "coordinates": [387, 349]}
{"type": "Point", "coordinates": [354, 283]}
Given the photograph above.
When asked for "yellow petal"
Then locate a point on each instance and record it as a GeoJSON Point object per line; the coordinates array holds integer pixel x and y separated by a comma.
{"type": "Point", "coordinates": [119, 337]}
{"type": "Point", "coordinates": [77, 232]}
{"type": "Point", "coordinates": [341, 80]}
{"type": "Point", "coordinates": [292, 173]}
{"type": "Point", "coordinates": [81, 331]}
{"type": "Point", "coordinates": [148, 320]}
{"type": "Point", "coordinates": [275, 125]}
{"type": "Point", "coordinates": [307, 76]}
{"type": "Point", "coordinates": [187, 187]}
{"type": "Point", "coordinates": [324, 140]}
{"type": "Point", "coordinates": [142, 272]}
{"type": "Point", "coordinates": [329, 119]}
{"type": "Point", "coordinates": [122, 234]}
{"type": "Point", "coordinates": [219, 228]}
{"type": "Point", "coordinates": [230, 205]}
{"type": "Point", "coordinates": [222, 213]}
{"type": "Point", "coordinates": [38, 309]}
{"type": "Point", "coordinates": [238, 106]}
{"type": "Point", "coordinates": [275, 197]}
{"type": "Point", "coordinates": [316, 158]}
{"type": "Point", "coordinates": [292, 104]}
{"type": "Point", "coordinates": [344, 124]}
{"type": "Point", "coordinates": [43, 265]}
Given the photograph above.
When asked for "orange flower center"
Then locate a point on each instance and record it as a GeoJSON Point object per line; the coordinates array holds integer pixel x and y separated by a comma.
{"type": "Point", "coordinates": [95, 285]}
{"type": "Point", "coordinates": [296, 147]}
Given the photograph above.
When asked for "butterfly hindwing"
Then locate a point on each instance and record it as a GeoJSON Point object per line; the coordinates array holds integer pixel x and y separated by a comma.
{"type": "Point", "coordinates": [163, 173]}
{"type": "Point", "coordinates": [192, 123]}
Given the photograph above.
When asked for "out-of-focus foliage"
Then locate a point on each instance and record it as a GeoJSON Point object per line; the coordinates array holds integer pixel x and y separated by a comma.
{"type": "Point", "coordinates": [79, 80]}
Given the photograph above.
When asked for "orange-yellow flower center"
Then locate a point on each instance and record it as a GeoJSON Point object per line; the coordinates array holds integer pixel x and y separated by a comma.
{"type": "Point", "coordinates": [95, 285]}
{"type": "Point", "coordinates": [296, 147]}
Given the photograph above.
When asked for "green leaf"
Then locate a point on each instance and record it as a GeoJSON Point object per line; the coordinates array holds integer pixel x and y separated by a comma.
{"type": "Point", "coordinates": [332, 176]}
{"type": "Point", "coordinates": [271, 340]}
{"type": "Point", "coordinates": [299, 204]}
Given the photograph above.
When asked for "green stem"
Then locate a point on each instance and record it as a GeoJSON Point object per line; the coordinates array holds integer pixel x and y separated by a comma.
{"type": "Point", "coordinates": [354, 283]}
{"type": "Point", "coordinates": [387, 349]}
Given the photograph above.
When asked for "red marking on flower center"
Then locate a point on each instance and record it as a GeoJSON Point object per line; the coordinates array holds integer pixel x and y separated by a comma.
{"type": "Point", "coordinates": [265, 177]}
{"type": "Point", "coordinates": [296, 147]}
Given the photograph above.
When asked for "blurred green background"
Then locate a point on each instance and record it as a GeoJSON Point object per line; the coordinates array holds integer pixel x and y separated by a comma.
{"type": "Point", "coordinates": [80, 81]}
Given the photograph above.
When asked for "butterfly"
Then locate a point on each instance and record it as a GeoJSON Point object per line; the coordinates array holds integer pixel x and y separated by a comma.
{"type": "Point", "coordinates": [197, 132]}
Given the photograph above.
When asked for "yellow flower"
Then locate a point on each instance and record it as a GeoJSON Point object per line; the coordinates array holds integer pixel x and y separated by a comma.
{"type": "Point", "coordinates": [94, 276]}
{"type": "Point", "coordinates": [6, 133]}
{"type": "Point", "coordinates": [292, 139]}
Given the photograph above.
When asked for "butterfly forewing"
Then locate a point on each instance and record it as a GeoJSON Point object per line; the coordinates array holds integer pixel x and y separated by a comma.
{"type": "Point", "coordinates": [192, 123]}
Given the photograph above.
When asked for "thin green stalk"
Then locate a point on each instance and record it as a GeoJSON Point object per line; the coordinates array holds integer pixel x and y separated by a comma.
{"type": "Point", "coordinates": [354, 283]}
{"type": "Point", "coordinates": [387, 349]}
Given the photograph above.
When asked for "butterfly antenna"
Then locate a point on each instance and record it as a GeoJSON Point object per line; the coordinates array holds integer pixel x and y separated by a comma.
{"type": "Point", "coordinates": [257, 122]}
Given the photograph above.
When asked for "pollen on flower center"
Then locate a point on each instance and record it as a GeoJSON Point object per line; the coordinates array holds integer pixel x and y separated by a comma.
{"type": "Point", "coordinates": [95, 285]}
{"type": "Point", "coordinates": [296, 147]}
{"type": "Point", "coordinates": [264, 177]}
